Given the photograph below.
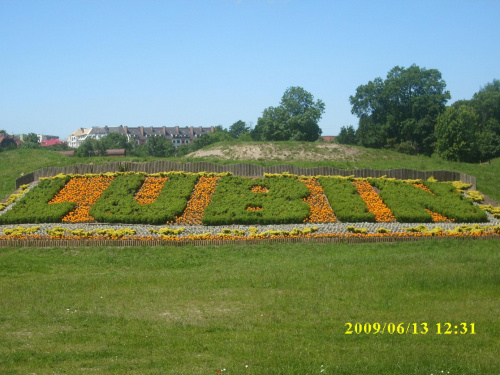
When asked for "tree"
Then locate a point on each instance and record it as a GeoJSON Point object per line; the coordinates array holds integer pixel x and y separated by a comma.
{"type": "Point", "coordinates": [115, 140]}
{"type": "Point", "coordinates": [487, 102]}
{"type": "Point", "coordinates": [219, 135]}
{"type": "Point", "coordinates": [456, 132]}
{"type": "Point", "coordinates": [402, 108]}
{"type": "Point", "coordinates": [30, 142]}
{"type": "Point", "coordinates": [87, 149]}
{"type": "Point", "coordinates": [158, 146]}
{"type": "Point", "coordinates": [296, 118]}
{"type": "Point", "coordinates": [238, 128]}
{"type": "Point", "coordinates": [347, 135]}
{"type": "Point", "coordinates": [31, 137]}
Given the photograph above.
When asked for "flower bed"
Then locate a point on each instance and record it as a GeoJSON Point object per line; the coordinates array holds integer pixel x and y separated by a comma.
{"type": "Point", "coordinates": [320, 210]}
{"type": "Point", "coordinates": [209, 199]}
{"type": "Point", "coordinates": [133, 199]}
{"type": "Point", "coordinates": [280, 199]}
{"type": "Point", "coordinates": [84, 192]}
{"type": "Point", "coordinates": [412, 204]}
{"type": "Point", "coordinates": [35, 236]}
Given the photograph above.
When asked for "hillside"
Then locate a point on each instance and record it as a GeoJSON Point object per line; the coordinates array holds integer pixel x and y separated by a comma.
{"type": "Point", "coordinates": [281, 151]}
{"type": "Point", "coordinates": [17, 162]}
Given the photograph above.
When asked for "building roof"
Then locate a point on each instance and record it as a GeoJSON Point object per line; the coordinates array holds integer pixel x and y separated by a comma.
{"type": "Point", "coordinates": [50, 142]}
{"type": "Point", "coordinates": [81, 131]}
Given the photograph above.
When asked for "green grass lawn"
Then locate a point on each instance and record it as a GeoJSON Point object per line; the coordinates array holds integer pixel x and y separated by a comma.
{"type": "Point", "coordinates": [276, 308]}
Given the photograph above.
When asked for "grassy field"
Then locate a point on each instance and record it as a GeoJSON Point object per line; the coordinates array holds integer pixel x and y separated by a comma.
{"type": "Point", "coordinates": [14, 163]}
{"type": "Point", "coordinates": [263, 309]}
{"type": "Point", "coordinates": [254, 309]}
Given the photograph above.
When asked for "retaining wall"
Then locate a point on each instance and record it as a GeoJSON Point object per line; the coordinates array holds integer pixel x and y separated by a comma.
{"type": "Point", "coordinates": [247, 170]}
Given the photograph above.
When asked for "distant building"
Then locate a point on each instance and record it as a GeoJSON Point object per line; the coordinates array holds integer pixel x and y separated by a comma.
{"type": "Point", "coordinates": [44, 137]}
{"type": "Point", "coordinates": [41, 137]}
{"type": "Point", "coordinates": [50, 142]}
{"type": "Point", "coordinates": [177, 135]}
{"type": "Point", "coordinates": [328, 138]}
{"type": "Point", "coordinates": [77, 137]}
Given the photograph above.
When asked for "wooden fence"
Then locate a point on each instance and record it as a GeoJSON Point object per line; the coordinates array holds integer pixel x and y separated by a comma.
{"type": "Point", "coordinates": [246, 170]}
{"type": "Point", "coordinates": [41, 243]}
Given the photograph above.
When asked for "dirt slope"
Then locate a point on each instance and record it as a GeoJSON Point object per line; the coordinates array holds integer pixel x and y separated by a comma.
{"type": "Point", "coordinates": [285, 151]}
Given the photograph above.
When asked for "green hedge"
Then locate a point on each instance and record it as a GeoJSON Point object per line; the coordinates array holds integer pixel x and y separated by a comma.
{"type": "Point", "coordinates": [346, 203]}
{"type": "Point", "coordinates": [34, 207]}
{"type": "Point", "coordinates": [408, 203]}
{"type": "Point", "coordinates": [117, 203]}
{"type": "Point", "coordinates": [282, 204]}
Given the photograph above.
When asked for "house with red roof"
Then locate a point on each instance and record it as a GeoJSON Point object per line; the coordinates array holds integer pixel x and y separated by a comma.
{"type": "Point", "coordinates": [50, 142]}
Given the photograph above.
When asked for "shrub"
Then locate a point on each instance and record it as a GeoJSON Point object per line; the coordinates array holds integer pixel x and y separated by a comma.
{"type": "Point", "coordinates": [117, 203]}
{"type": "Point", "coordinates": [409, 203]}
{"type": "Point", "coordinates": [347, 204]}
{"type": "Point", "coordinates": [34, 207]}
{"type": "Point", "coordinates": [281, 204]}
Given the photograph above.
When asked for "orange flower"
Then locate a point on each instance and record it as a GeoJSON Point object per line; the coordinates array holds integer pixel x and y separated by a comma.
{"type": "Point", "coordinates": [84, 191]}
{"type": "Point", "coordinates": [258, 208]}
{"type": "Point", "coordinates": [195, 208]}
{"type": "Point", "coordinates": [150, 190]}
{"type": "Point", "coordinates": [435, 216]}
{"type": "Point", "coordinates": [259, 189]}
{"type": "Point", "coordinates": [438, 217]}
{"type": "Point", "coordinates": [424, 188]}
{"type": "Point", "coordinates": [373, 202]}
{"type": "Point", "coordinates": [320, 212]}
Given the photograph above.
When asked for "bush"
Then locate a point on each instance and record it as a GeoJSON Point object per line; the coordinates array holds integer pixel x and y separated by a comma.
{"type": "Point", "coordinates": [409, 203]}
{"type": "Point", "coordinates": [34, 207]}
{"type": "Point", "coordinates": [117, 203]}
{"type": "Point", "coordinates": [347, 204]}
{"type": "Point", "coordinates": [234, 202]}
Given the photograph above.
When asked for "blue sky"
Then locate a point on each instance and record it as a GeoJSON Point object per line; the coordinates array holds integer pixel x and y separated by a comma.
{"type": "Point", "coordinates": [70, 64]}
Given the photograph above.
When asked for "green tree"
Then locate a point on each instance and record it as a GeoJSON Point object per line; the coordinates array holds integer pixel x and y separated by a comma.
{"type": "Point", "coordinates": [238, 128]}
{"type": "Point", "coordinates": [31, 137]}
{"type": "Point", "coordinates": [114, 141]}
{"type": "Point", "coordinates": [296, 118]}
{"type": "Point", "coordinates": [30, 142]}
{"type": "Point", "coordinates": [402, 108]}
{"type": "Point", "coordinates": [87, 149]}
{"type": "Point", "coordinates": [347, 135]}
{"type": "Point", "coordinates": [487, 102]}
{"type": "Point", "coordinates": [219, 135]}
{"type": "Point", "coordinates": [456, 134]}
{"type": "Point", "coordinates": [159, 146]}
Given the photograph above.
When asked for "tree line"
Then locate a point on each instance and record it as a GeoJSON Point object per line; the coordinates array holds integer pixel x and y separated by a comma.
{"type": "Point", "coordinates": [407, 112]}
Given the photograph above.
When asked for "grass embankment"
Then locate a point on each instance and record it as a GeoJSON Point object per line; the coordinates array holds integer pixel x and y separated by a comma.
{"type": "Point", "coordinates": [278, 309]}
{"type": "Point", "coordinates": [13, 163]}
